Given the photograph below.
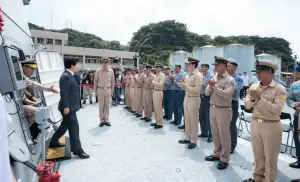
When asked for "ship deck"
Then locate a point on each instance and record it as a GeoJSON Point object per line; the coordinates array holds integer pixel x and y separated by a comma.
{"type": "Point", "coordinates": [132, 151]}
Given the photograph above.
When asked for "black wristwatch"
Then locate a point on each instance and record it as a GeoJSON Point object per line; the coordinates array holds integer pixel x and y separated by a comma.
{"type": "Point", "coordinates": [252, 100]}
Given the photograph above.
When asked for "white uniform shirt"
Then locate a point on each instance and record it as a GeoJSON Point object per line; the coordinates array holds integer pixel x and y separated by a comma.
{"type": "Point", "coordinates": [245, 81]}
{"type": "Point", "coordinates": [5, 174]}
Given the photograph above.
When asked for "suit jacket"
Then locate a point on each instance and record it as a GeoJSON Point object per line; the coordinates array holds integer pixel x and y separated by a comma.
{"type": "Point", "coordinates": [69, 93]}
{"type": "Point", "coordinates": [77, 77]}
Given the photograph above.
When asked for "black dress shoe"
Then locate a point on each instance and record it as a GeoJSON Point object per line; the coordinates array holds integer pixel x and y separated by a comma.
{"type": "Point", "coordinates": [56, 145]}
{"type": "Point", "coordinates": [172, 122]}
{"type": "Point", "coordinates": [153, 124]}
{"type": "Point", "coordinates": [295, 165]}
{"type": "Point", "coordinates": [135, 114]}
{"type": "Point", "coordinates": [209, 140]}
{"type": "Point", "coordinates": [107, 123]}
{"type": "Point", "coordinates": [202, 135]}
{"type": "Point", "coordinates": [192, 145]}
{"type": "Point", "coordinates": [168, 119]}
{"type": "Point", "coordinates": [158, 126]}
{"type": "Point", "coordinates": [138, 116]}
{"type": "Point", "coordinates": [212, 158]}
{"type": "Point", "coordinates": [232, 151]}
{"type": "Point", "coordinates": [251, 180]}
{"type": "Point", "coordinates": [91, 102]}
{"type": "Point", "coordinates": [296, 180]}
{"type": "Point", "coordinates": [181, 127]}
{"type": "Point", "coordinates": [84, 102]}
{"type": "Point", "coordinates": [144, 118]}
{"type": "Point", "coordinates": [101, 124]}
{"type": "Point", "coordinates": [176, 124]}
{"type": "Point", "coordinates": [148, 120]}
{"type": "Point", "coordinates": [164, 117]}
{"type": "Point", "coordinates": [184, 141]}
{"type": "Point", "coordinates": [222, 165]}
{"type": "Point", "coordinates": [81, 154]}
{"type": "Point", "coordinates": [126, 107]}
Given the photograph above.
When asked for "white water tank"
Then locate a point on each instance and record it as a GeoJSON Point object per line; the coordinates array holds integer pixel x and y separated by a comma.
{"type": "Point", "coordinates": [178, 57]}
{"type": "Point", "coordinates": [206, 54]}
{"type": "Point", "coordinates": [243, 54]}
{"type": "Point", "coordinates": [270, 57]}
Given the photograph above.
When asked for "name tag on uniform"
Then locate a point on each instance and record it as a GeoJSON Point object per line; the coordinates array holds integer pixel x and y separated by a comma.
{"type": "Point", "coordinates": [87, 82]}
{"type": "Point", "coordinates": [109, 77]}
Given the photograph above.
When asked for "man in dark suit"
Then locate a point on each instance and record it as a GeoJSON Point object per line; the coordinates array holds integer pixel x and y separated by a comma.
{"type": "Point", "coordinates": [69, 104]}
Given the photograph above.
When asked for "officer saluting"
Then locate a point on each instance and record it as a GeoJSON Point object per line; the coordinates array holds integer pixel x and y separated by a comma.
{"type": "Point", "coordinates": [192, 87]}
{"type": "Point", "coordinates": [267, 99]}
{"type": "Point", "coordinates": [221, 91]}
{"type": "Point", "coordinates": [231, 69]}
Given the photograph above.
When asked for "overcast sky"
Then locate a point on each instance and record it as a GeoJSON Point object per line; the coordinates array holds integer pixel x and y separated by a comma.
{"type": "Point", "coordinates": [118, 19]}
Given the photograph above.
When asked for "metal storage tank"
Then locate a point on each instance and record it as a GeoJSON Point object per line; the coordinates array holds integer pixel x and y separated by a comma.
{"type": "Point", "coordinates": [207, 53]}
{"type": "Point", "coordinates": [273, 58]}
{"type": "Point", "coordinates": [178, 57]}
{"type": "Point", "coordinates": [243, 54]}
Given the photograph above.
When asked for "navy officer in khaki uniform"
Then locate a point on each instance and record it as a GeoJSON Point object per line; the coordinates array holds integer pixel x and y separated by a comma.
{"type": "Point", "coordinates": [221, 90]}
{"type": "Point", "coordinates": [267, 99]}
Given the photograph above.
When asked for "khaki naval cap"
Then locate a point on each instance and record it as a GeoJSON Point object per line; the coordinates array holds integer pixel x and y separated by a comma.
{"type": "Point", "coordinates": [220, 60]}
{"type": "Point", "coordinates": [104, 60]}
{"type": "Point", "coordinates": [192, 60]}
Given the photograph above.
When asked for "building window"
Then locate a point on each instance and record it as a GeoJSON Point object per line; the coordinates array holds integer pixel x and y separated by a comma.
{"type": "Point", "coordinates": [49, 41]}
{"type": "Point", "coordinates": [58, 42]}
{"type": "Point", "coordinates": [40, 40]}
{"type": "Point", "coordinates": [33, 39]}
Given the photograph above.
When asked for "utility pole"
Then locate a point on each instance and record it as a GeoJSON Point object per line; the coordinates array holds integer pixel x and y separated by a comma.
{"type": "Point", "coordinates": [295, 66]}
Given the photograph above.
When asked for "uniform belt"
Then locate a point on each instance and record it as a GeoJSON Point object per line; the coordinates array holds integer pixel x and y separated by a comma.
{"type": "Point", "coordinates": [265, 120]}
{"type": "Point", "coordinates": [139, 87]}
{"type": "Point", "coordinates": [202, 95]}
{"type": "Point", "coordinates": [176, 90]}
{"type": "Point", "coordinates": [220, 106]}
{"type": "Point", "coordinates": [132, 87]}
{"type": "Point", "coordinates": [157, 90]}
{"type": "Point", "coordinates": [148, 89]}
{"type": "Point", "coordinates": [104, 87]}
{"type": "Point", "coordinates": [192, 96]}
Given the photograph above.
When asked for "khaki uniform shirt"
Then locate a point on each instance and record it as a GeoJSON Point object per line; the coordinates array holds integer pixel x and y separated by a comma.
{"type": "Point", "coordinates": [147, 83]}
{"type": "Point", "coordinates": [133, 82]}
{"type": "Point", "coordinates": [221, 93]}
{"type": "Point", "coordinates": [104, 79]}
{"type": "Point", "coordinates": [140, 80]}
{"type": "Point", "coordinates": [35, 85]}
{"type": "Point", "coordinates": [159, 81]}
{"type": "Point", "coordinates": [271, 101]}
{"type": "Point", "coordinates": [193, 84]}
{"type": "Point", "coordinates": [127, 81]}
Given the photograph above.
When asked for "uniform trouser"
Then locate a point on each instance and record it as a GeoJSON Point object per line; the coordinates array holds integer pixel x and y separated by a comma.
{"type": "Point", "coordinates": [30, 116]}
{"type": "Point", "coordinates": [147, 102]}
{"type": "Point", "coordinates": [157, 104]}
{"type": "Point", "coordinates": [204, 117]}
{"type": "Point", "coordinates": [176, 97]}
{"type": "Point", "coordinates": [127, 96]}
{"type": "Point", "coordinates": [87, 91]}
{"type": "Point", "coordinates": [296, 139]}
{"type": "Point", "coordinates": [220, 118]}
{"type": "Point", "coordinates": [233, 128]}
{"type": "Point", "coordinates": [104, 96]}
{"type": "Point", "coordinates": [117, 94]}
{"type": "Point", "coordinates": [266, 143]}
{"type": "Point", "coordinates": [191, 109]}
{"type": "Point", "coordinates": [133, 98]}
{"type": "Point", "coordinates": [71, 124]}
{"type": "Point", "coordinates": [139, 107]}
{"type": "Point", "coordinates": [167, 104]}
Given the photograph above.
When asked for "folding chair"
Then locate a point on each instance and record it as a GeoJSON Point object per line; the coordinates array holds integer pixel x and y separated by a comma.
{"type": "Point", "coordinates": [287, 128]}
{"type": "Point", "coordinates": [246, 119]}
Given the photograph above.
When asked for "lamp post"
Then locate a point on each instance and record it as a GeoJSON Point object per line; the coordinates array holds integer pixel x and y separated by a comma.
{"type": "Point", "coordinates": [138, 61]}
{"type": "Point", "coordinates": [295, 65]}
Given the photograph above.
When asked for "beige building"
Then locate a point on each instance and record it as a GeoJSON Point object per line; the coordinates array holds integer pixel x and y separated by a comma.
{"type": "Point", "coordinates": [88, 57]}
